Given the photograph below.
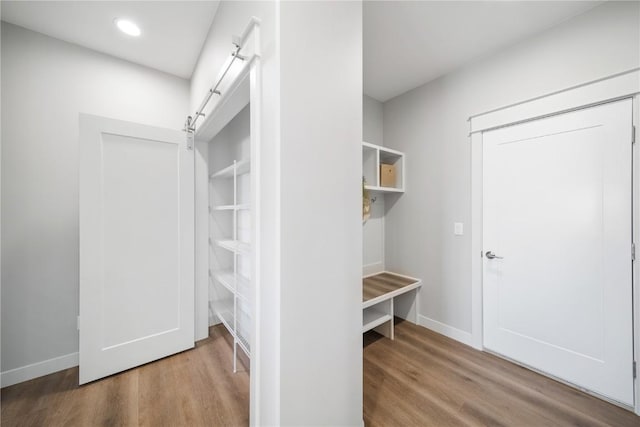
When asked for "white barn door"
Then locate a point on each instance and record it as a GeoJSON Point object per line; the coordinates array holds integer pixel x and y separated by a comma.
{"type": "Point", "coordinates": [136, 245]}
{"type": "Point", "coordinates": [557, 240]}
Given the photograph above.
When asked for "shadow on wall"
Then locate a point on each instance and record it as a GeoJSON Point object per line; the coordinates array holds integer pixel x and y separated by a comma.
{"type": "Point", "coordinates": [390, 200]}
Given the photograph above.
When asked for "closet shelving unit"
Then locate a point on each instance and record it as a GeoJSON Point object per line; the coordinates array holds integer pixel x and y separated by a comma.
{"type": "Point", "coordinates": [375, 155]}
{"type": "Point", "coordinates": [234, 310]}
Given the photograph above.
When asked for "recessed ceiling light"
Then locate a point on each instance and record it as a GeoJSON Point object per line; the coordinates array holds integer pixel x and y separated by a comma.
{"type": "Point", "coordinates": [128, 27]}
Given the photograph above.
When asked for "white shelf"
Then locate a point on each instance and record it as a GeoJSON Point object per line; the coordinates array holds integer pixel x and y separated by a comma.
{"type": "Point", "coordinates": [225, 208]}
{"type": "Point", "coordinates": [241, 207]}
{"type": "Point", "coordinates": [224, 310]}
{"type": "Point", "coordinates": [243, 326]}
{"type": "Point", "coordinates": [387, 153]}
{"type": "Point", "coordinates": [384, 189]}
{"type": "Point", "coordinates": [375, 155]}
{"type": "Point", "coordinates": [235, 246]}
{"type": "Point", "coordinates": [244, 344]}
{"type": "Point", "coordinates": [236, 284]}
{"type": "Point", "coordinates": [234, 309]}
{"type": "Point", "coordinates": [372, 318]}
{"type": "Point", "coordinates": [241, 167]}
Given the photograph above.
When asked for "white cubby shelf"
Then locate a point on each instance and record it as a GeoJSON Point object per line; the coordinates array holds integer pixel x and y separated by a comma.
{"type": "Point", "coordinates": [375, 155]}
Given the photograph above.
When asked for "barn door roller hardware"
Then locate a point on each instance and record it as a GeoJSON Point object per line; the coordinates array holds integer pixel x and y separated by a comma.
{"type": "Point", "coordinates": [238, 42]}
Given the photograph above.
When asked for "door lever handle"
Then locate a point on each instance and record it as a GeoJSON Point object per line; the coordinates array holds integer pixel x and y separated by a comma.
{"type": "Point", "coordinates": [491, 255]}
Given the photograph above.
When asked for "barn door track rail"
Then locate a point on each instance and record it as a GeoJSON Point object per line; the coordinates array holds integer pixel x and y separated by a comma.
{"type": "Point", "coordinates": [238, 44]}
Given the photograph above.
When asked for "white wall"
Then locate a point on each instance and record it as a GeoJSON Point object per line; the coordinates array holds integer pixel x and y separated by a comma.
{"type": "Point", "coordinates": [373, 229]}
{"type": "Point", "coordinates": [321, 134]}
{"type": "Point", "coordinates": [430, 124]}
{"type": "Point", "coordinates": [307, 365]}
{"type": "Point", "coordinates": [45, 84]}
{"type": "Point", "coordinates": [372, 116]}
{"type": "Point", "coordinates": [231, 19]}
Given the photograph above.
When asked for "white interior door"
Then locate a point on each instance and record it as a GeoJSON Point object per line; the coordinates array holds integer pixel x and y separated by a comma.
{"type": "Point", "coordinates": [136, 245]}
{"type": "Point", "coordinates": [557, 209]}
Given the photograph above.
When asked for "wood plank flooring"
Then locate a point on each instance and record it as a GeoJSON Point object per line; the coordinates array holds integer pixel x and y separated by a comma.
{"type": "Point", "coordinates": [420, 379]}
{"type": "Point", "coordinates": [193, 388]}
{"type": "Point", "coordinates": [425, 379]}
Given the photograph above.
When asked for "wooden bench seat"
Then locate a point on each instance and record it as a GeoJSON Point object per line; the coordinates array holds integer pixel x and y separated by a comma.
{"type": "Point", "coordinates": [378, 292]}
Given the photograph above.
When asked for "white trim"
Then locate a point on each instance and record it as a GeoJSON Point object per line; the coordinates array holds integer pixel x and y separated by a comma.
{"type": "Point", "coordinates": [446, 330]}
{"type": "Point", "coordinates": [383, 220]}
{"type": "Point", "coordinates": [235, 97]}
{"type": "Point", "coordinates": [476, 240]}
{"type": "Point", "coordinates": [617, 86]}
{"type": "Point", "coordinates": [394, 273]}
{"type": "Point", "coordinates": [201, 222]}
{"type": "Point", "coordinates": [636, 239]}
{"type": "Point", "coordinates": [255, 134]}
{"type": "Point", "coordinates": [370, 145]}
{"type": "Point", "coordinates": [377, 189]}
{"type": "Point", "coordinates": [38, 369]}
{"type": "Point", "coordinates": [382, 148]}
{"type": "Point", "coordinates": [372, 269]}
{"type": "Point", "coordinates": [606, 89]}
{"type": "Point", "coordinates": [274, 244]}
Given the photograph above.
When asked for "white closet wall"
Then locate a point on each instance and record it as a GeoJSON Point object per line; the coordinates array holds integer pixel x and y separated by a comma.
{"type": "Point", "coordinates": [230, 19]}
{"type": "Point", "coordinates": [306, 131]}
{"type": "Point", "coordinates": [321, 213]}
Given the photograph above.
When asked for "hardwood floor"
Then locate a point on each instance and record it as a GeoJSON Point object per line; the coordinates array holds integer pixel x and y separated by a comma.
{"type": "Point", "coordinates": [425, 379]}
{"type": "Point", "coordinates": [193, 388]}
{"type": "Point", "coordinates": [420, 379]}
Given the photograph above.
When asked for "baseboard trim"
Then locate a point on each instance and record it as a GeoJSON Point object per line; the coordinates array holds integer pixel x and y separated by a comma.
{"type": "Point", "coordinates": [373, 268]}
{"type": "Point", "coordinates": [446, 330]}
{"type": "Point", "coordinates": [39, 369]}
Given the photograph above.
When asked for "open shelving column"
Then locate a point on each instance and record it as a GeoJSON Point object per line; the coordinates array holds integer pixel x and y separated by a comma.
{"type": "Point", "coordinates": [235, 311]}
{"type": "Point", "coordinates": [384, 292]}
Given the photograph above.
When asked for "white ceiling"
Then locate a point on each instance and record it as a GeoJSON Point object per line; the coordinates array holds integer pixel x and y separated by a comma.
{"type": "Point", "coordinates": [407, 44]}
{"type": "Point", "coordinates": [173, 32]}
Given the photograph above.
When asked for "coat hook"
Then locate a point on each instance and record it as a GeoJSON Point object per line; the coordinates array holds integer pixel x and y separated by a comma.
{"type": "Point", "coordinates": [373, 200]}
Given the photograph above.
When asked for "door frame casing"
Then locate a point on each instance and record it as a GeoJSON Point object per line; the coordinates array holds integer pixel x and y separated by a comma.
{"type": "Point", "coordinates": [607, 89]}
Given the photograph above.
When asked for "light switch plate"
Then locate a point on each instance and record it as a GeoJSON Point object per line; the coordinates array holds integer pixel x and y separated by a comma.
{"type": "Point", "coordinates": [458, 229]}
